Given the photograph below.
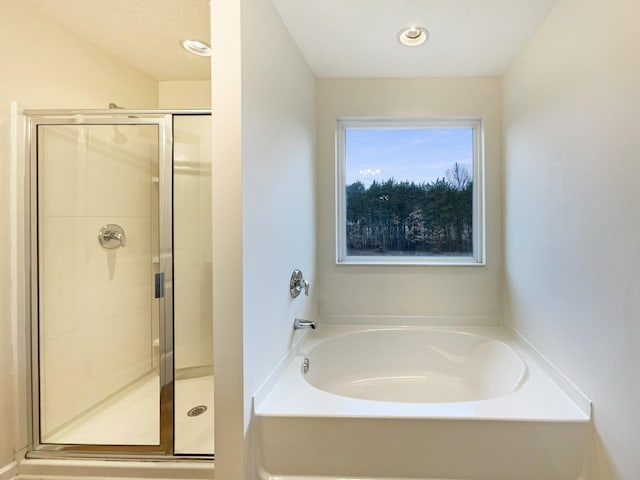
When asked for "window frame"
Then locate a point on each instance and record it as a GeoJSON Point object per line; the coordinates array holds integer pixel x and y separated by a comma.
{"type": "Point", "coordinates": [478, 256]}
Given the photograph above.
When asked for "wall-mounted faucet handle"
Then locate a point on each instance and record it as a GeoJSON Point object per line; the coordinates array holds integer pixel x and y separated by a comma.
{"type": "Point", "coordinates": [297, 284]}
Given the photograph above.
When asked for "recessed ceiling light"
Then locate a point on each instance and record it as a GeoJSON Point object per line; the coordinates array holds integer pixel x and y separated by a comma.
{"type": "Point", "coordinates": [197, 48]}
{"type": "Point", "coordinates": [413, 36]}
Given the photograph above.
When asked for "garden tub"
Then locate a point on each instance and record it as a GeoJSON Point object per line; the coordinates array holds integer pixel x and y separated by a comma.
{"type": "Point", "coordinates": [415, 366]}
{"type": "Point", "coordinates": [417, 402]}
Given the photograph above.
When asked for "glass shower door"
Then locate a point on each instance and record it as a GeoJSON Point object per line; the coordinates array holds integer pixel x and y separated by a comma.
{"type": "Point", "coordinates": [100, 299]}
{"type": "Point", "coordinates": [193, 331]}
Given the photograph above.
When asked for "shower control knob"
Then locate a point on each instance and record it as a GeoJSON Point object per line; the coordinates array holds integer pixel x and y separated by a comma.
{"type": "Point", "coordinates": [111, 236]}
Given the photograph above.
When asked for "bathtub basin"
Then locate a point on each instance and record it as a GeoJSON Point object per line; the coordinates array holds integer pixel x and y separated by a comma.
{"type": "Point", "coordinates": [416, 403]}
{"type": "Point", "coordinates": [415, 366]}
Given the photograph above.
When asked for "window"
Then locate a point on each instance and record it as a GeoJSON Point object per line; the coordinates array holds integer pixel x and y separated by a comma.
{"type": "Point", "coordinates": [409, 191]}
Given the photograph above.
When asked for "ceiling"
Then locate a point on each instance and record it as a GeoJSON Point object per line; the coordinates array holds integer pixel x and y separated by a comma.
{"type": "Point", "coordinates": [338, 38]}
{"type": "Point", "coordinates": [358, 38]}
{"type": "Point", "coordinates": [144, 33]}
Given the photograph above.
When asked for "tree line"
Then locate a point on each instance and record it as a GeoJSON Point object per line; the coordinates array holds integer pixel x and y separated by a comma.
{"type": "Point", "coordinates": [407, 218]}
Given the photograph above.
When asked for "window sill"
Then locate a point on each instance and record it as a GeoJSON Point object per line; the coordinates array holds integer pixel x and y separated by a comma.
{"type": "Point", "coordinates": [412, 261]}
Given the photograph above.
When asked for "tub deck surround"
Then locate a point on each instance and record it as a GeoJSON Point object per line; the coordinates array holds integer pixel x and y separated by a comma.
{"type": "Point", "coordinates": [538, 398]}
{"type": "Point", "coordinates": [521, 426]}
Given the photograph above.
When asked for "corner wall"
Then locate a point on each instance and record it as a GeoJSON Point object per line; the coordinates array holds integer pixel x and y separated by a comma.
{"type": "Point", "coordinates": [571, 103]}
{"type": "Point", "coordinates": [43, 66]}
{"type": "Point", "coordinates": [433, 293]}
{"type": "Point", "coordinates": [278, 190]}
{"type": "Point", "coordinates": [263, 210]}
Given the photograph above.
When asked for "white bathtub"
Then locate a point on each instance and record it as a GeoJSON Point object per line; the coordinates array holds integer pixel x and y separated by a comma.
{"type": "Point", "coordinates": [417, 402]}
{"type": "Point", "coordinates": [415, 366]}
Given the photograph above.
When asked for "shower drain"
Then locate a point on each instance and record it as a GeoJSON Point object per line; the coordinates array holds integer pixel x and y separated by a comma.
{"type": "Point", "coordinates": [195, 411]}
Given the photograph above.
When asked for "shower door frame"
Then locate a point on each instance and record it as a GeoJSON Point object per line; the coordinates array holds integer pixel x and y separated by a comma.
{"type": "Point", "coordinates": [163, 119]}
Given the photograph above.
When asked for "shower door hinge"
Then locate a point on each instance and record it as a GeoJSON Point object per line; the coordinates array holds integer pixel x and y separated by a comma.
{"type": "Point", "coordinates": [159, 280]}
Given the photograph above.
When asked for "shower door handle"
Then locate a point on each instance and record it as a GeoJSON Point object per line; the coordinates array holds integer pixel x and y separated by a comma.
{"type": "Point", "coordinates": [159, 283]}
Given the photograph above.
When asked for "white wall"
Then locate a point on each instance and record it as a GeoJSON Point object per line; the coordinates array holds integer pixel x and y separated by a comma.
{"type": "Point", "coordinates": [278, 189]}
{"type": "Point", "coordinates": [184, 94]}
{"type": "Point", "coordinates": [572, 218]}
{"type": "Point", "coordinates": [263, 167]}
{"type": "Point", "coordinates": [44, 66]}
{"type": "Point", "coordinates": [424, 291]}
{"type": "Point", "coordinates": [226, 175]}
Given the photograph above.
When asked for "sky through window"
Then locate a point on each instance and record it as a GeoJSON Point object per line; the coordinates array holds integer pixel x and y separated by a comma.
{"type": "Point", "coordinates": [420, 155]}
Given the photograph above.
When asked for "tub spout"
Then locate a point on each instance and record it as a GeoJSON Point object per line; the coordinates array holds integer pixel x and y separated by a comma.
{"type": "Point", "coordinates": [299, 324]}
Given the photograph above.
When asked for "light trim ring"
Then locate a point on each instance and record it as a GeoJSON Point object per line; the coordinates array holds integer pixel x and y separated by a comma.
{"type": "Point", "coordinates": [197, 48]}
{"type": "Point", "coordinates": [413, 36]}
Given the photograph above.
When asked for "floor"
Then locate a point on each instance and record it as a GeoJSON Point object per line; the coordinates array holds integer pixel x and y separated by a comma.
{"type": "Point", "coordinates": [194, 435]}
{"type": "Point", "coordinates": [132, 418]}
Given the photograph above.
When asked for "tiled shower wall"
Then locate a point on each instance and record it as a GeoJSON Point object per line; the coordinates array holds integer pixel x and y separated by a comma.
{"type": "Point", "coordinates": [192, 241]}
{"type": "Point", "coordinates": [95, 304]}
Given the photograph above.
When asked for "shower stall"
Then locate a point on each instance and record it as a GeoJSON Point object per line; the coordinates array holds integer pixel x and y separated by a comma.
{"type": "Point", "coordinates": [120, 253]}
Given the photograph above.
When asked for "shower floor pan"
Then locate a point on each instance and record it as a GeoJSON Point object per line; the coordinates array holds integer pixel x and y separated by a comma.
{"type": "Point", "coordinates": [535, 433]}
{"type": "Point", "coordinates": [133, 414]}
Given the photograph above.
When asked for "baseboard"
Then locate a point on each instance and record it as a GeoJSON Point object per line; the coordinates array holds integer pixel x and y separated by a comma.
{"type": "Point", "coordinates": [9, 471]}
{"type": "Point", "coordinates": [40, 469]}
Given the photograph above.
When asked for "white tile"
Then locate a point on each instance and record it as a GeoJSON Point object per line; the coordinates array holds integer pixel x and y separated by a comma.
{"type": "Point", "coordinates": [62, 170]}
{"type": "Point", "coordinates": [64, 385]}
{"type": "Point", "coordinates": [63, 275]}
{"type": "Point", "coordinates": [118, 351]}
{"type": "Point", "coordinates": [85, 367]}
{"type": "Point", "coordinates": [119, 174]}
{"type": "Point", "coordinates": [192, 242]}
{"type": "Point", "coordinates": [119, 279]}
{"type": "Point", "coordinates": [130, 418]}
